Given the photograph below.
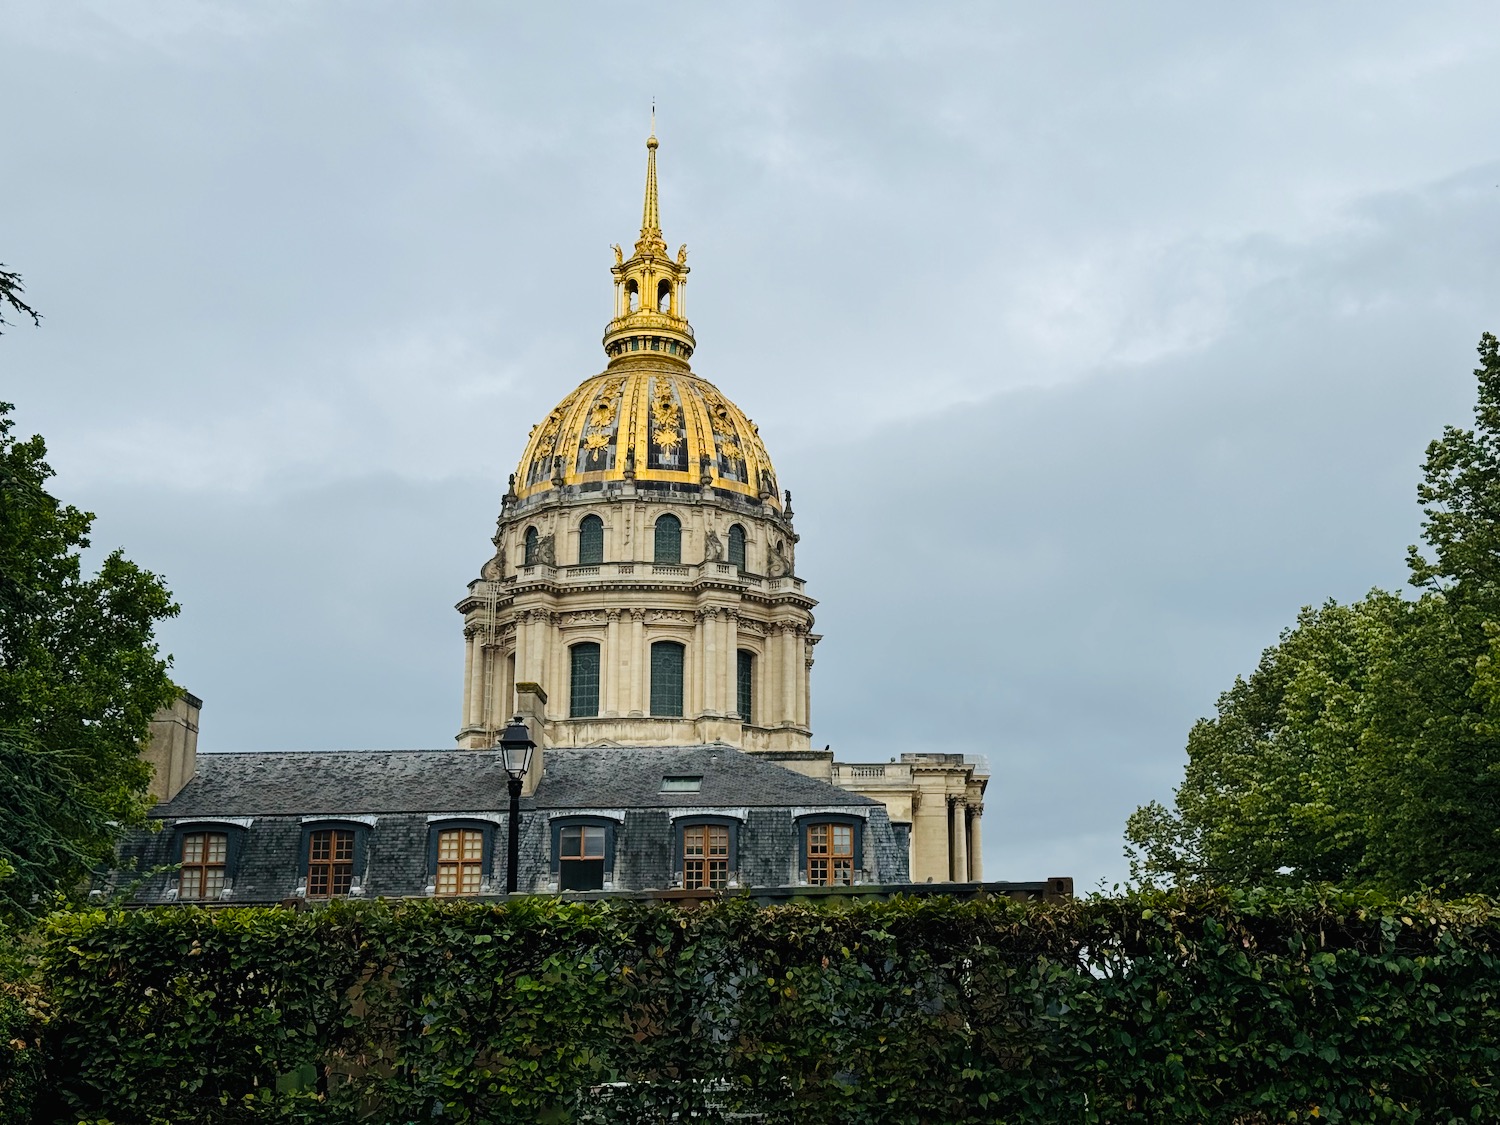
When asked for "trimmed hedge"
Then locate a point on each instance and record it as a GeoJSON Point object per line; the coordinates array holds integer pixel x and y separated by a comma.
{"type": "Point", "coordinates": [1207, 1008]}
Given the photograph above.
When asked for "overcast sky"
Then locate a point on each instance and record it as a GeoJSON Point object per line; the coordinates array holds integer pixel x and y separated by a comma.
{"type": "Point", "coordinates": [1092, 340]}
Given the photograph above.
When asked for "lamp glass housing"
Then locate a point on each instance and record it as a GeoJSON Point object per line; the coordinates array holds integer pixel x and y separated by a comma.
{"type": "Point", "coordinates": [516, 747]}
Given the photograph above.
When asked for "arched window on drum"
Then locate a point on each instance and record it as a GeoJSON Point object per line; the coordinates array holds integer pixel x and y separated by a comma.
{"type": "Point", "coordinates": [532, 538]}
{"type": "Point", "coordinates": [668, 540]}
{"type": "Point", "coordinates": [591, 541]}
{"type": "Point", "coordinates": [737, 546]}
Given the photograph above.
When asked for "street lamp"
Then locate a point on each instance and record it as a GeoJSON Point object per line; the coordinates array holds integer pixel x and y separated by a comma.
{"type": "Point", "coordinates": [515, 755]}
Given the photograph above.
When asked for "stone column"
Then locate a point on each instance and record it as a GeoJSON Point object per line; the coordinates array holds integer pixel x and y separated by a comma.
{"type": "Point", "coordinates": [804, 681]}
{"type": "Point", "coordinates": [713, 671]}
{"type": "Point", "coordinates": [732, 663]}
{"type": "Point", "coordinates": [960, 809]}
{"type": "Point", "coordinates": [463, 719]}
{"type": "Point", "coordinates": [639, 658]}
{"type": "Point", "coordinates": [554, 678]}
{"type": "Point", "coordinates": [612, 669]}
{"type": "Point", "coordinates": [476, 680]}
{"type": "Point", "coordinates": [976, 852]}
{"type": "Point", "coordinates": [699, 665]}
{"type": "Point", "coordinates": [789, 662]}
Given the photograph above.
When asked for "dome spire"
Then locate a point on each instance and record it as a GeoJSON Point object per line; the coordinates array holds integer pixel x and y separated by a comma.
{"type": "Point", "coordinates": [650, 315]}
{"type": "Point", "coordinates": [651, 239]}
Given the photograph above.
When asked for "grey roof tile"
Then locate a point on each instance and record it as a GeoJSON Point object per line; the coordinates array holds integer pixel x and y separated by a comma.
{"type": "Point", "coordinates": [345, 782]}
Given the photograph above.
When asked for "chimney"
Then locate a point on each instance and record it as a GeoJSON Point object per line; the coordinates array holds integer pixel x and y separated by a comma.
{"type": "Point", "coordinates": [172, 747]}
{"type": "Point", "coordinates": [531, 706]}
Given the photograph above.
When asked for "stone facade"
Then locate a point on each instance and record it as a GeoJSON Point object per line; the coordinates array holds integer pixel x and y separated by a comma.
{"type": "Point", "coordinates": [579, 563]}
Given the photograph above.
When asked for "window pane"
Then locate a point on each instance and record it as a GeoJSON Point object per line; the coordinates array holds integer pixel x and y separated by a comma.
{"type": "Point", "coordinates": [584, 681]}
{"type": "Point", "coordinates": [192, 849]}
{"type": "Point", "coordinates": [191, 885]}
{"type": "Point", "coordinates": [668, 540]}
{"type": "Point", "coordinates": [572, 841]}
{"type": "Point", "coordinates": [843, 840]}
{"type": "Point", "coordinates": [581, 875]}
{"type": "Point", "coordinates": [591, 541]}
{"type": "Point", "coordinates": [745, 680]}
{"type": "Point", "coordinates": [593, 843]}
{"type": "Point", "coordinates": [666, 678]}
{"type": "Point", "coordinates": [473, 845]}
{"type": "Point", "coordinates": [531, 546]}
{"type": "Point", "coordinates": [737, 546]}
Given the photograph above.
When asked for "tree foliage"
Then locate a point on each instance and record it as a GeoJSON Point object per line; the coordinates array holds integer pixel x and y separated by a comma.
{"type": "Point", "coordinates": [1365, 747]}
{"type": "Point", "coordinates": [80, 678]}
{"type": "Point", "coordinates": [1164, 1007]}
{"type": "Point", "coordinates": [10, 295]}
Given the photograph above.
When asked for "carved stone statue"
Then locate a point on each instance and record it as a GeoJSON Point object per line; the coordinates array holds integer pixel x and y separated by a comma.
{"type": "Point", "coordinates": [546, 550]}
{"type": "Point", "coordinates": [619, 254]}
{"type": "Point", "coordinates": [713, 549]}
{"type": "Point", "coordinates": [682, 254]}
{"type": "Point", "coordinates": [777, 562]}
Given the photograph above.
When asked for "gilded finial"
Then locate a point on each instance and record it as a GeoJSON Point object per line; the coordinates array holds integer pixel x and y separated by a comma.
{"type": "Point", "coordinates": [651, 211]}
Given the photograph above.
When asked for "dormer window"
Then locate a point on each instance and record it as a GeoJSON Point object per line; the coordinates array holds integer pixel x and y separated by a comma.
{"type": "Point", "coordinates": [205, 865]}
{"type": "Point", "coordinates": [330, 863]}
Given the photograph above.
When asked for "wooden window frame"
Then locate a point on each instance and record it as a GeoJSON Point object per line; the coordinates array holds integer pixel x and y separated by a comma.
{"type": "Point", "coordinates": [584, 829]}
{"type": "Point", "coordinates": [705, 856]}
{"type": "Point", "coordinates": [824, 862]}
{"type": "Point", "coordinates": [465, 868]}
{"type": "Point", "coordinates": [329, 869]}
{"type": "Point", "coordinates": [207, 863]}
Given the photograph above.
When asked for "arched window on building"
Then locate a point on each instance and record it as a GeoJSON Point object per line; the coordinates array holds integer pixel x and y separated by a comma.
{"type": "Point", "coordinates": [591, 541]}
{"type": "Point", "coordinates": [632, 296]}
{"type": "Point", "coordinates": [737, 546]}
{"type": "Point", "coordinates": [531, 546]}
{"type": "Point", "coordinates": [664, 296]}
{"type": "Point", "coordinates": [668, 540]}
{"type": "Point", "coordinates": [583, 680]}
{"type": "Point", "coordinates": [666, 678]}
{"type": "Point", "coordinates": [744, 681]}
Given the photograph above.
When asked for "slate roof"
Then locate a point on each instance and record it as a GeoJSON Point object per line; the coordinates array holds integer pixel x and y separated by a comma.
{"type": "Point", "coordinates": [631, 777]}
{"type": "Point", "coordinates": [354, 782]}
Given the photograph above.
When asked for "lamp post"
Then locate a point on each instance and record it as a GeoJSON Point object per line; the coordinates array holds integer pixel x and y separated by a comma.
{"type": "Point", "coordinates": [515, 754]}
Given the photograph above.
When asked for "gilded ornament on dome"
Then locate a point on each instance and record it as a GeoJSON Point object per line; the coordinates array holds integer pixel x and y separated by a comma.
{"type": "Point", "coordinates": [595, 440]}
{"type": "Point", "coordinates": [667, 440]}
{"type": "Point", "coordinates": [664, 410]}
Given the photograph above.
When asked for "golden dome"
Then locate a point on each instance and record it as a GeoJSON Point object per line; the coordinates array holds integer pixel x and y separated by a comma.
{"type": "Point", "coordinates": [647, 418]}
{"type": "Point", "coordinates": [647, 422]}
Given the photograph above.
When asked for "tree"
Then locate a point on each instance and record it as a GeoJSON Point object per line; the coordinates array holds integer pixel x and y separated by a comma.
{"type": "Point", "coordinates": [80, 678]}
{"type": "Point", "coordinates": [1365, 747]}
{"type": "Point", "coordinates": [10, 294]}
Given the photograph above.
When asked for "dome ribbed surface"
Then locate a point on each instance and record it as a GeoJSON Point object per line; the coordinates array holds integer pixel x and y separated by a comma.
{"type": "Point", "coordinates": [668, 416]}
